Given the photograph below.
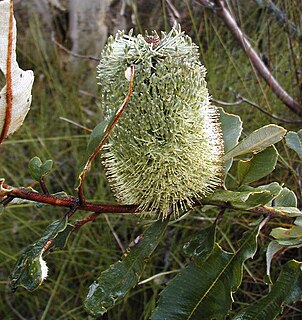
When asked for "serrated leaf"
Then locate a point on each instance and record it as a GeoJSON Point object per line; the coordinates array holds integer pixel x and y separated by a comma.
{"type": "Point", "coordinates": [18, 82]}
{"type": "Point", "coordinates": [247, 197]}
{"type": "Point", "coordinates": [262, 164]}
{"type": "Point", "coordinates": [115, 282]}
{"type": "Point", "coordinates": [29, 271]}
{"type": "Point", "coordinates": [231, 127]}
{"type": "Point", "coordinates": [294, 141]}
{"type": "Point", "coordinates": [203, 290]}
{"type": "Point", "coordinates": [257, 141]}
{"type": "Point", "coordinates": [287, 289]}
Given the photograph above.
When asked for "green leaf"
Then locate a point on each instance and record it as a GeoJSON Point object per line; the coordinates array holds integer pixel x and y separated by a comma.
{"type": "Point", "coordinates": [287, 289]}
{"type": "Point", "coordinates": [298, 221]}
{"type": "Point", "coordinates": [257, 141]}
{"type": "Point", "coordinates": [286, 198]}
{"type": "Point", "coordinates": [202, 244]}
{"type": "Point", "coordinates": [294, 141]}
{"type": "Point", "coordinates": [247, 197]}
{"type": "Point", "coordinates": [34, 167]}
{"type": "Point", "coordinates": [203, 290]}
{"type": "Point", "coordinates": [231, 127]}
{"type": "Point", "coordinates": [287, 233]}
{"type": "Point", "coordinates": [1, 209]}
{"type": "Point", "coordinates": [260, 195]}
{"type": "Point", "coordinates": [115, 282]}
{"type": "Point", "coordinates": [61, 239]}
{"type": "Point", "coordinates": [46, 167]}
{"type": "Point", "coordinates": [29, 271]}
{"type": "Point", "coordinates": [96, 136]}
{"type": "Point", "coordinates": [290, 237]}
{"type": "Point", "coordinates": [272, 249]}
{"type": "Point", "coordinates": [258, 167]}
{"type": "Point", "coordinates": [37, 169]}
{"type": "Point", "coordinates": [289, 211]}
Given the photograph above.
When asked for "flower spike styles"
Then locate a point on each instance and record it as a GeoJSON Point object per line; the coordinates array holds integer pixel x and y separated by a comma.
{"type": "Point", "coordinates": [166, 149]}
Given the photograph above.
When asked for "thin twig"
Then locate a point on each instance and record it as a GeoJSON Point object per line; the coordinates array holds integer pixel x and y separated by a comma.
{"type": "Point", "coordinates": [221, 10]}
{"type": "Point", "coordinates": [75, 123]}
{"type": "Point", "coordinates": [80, 223]}
{"type": "Point", "coordinates": [43, 185]}
{"type": "Point", "coordinates": [119, 242]}
{"type": "Point", "coordinates": [111, 125]}
{"type": "Point", "coordinates": [281, 18]}
{"type": "Point", "coordinates": [76, 55]}
{"type": "Point", "coordinates": [7, 200]}
{"type": "Point", "coordinates": [241, 100]}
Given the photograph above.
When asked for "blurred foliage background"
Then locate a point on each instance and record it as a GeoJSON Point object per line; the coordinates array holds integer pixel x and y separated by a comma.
{"type": "Point", "coordinates": [66, 88]}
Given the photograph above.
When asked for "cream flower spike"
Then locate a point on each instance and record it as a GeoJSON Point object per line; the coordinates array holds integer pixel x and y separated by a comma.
{"type": "Point", "coordinates": [166, 149]}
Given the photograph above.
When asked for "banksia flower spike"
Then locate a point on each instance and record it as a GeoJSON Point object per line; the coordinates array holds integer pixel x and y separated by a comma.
{"type": "Point", "coordinates": [166, 149]}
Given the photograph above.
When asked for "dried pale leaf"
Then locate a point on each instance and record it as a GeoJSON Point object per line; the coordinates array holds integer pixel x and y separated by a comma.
{"type": "Point", "coordinates": [22, 81]}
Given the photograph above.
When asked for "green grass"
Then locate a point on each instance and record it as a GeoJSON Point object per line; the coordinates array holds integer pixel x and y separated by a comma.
{"type": "Point", "coordinates": [57, 93]}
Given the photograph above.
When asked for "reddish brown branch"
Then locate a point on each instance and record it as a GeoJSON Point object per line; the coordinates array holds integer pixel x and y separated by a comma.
{"type": "Point", "coordinates": [9, 90]}
{"type": "Point", "coordinates": [220, 9]}
{"type": "Point", "coordinates": [80, 223]}
{"type": "Point", "coordinates": [104, 139]}
{"type": "Point", "coordinates": [98, 208]}
{"type": "Point", "coordinates": [67, 201]}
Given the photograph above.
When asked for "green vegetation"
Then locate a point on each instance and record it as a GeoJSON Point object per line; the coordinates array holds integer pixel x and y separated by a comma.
{"type": "Point", "coordinates": [64, 91]}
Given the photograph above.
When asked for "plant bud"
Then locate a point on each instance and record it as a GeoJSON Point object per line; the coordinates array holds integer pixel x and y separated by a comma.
{"type": "Point", "coordinates": [165, 151]}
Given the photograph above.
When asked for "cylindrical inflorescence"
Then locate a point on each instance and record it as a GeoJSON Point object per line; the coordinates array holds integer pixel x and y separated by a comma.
{"type": "Point", "coordinates": [166, 149]}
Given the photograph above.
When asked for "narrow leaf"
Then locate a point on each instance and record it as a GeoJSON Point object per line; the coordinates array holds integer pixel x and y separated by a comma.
{"type": "Point", "coordinates": [272, 249]}
{"type": "Point", "coordinates": [96, 136]}
{"type": "Point", "coordinates": [115, 282]}
{"type": "Point", "coordinates": [203, 290]}
{"type": "Point", "coordinates": [15, 97]}
{"type": "Point", "coordinates": [262, 164]}
{"type": "Point", "coordinates": [231, 127]}
{"type": "Point", "coordinates": [257, 141]}
{"type": "Point", "coordinates": [30, 269]}
{"type": "Point", "coordinates": [294, 141]}
{"type": "Point", "coordinates": [287, 289]}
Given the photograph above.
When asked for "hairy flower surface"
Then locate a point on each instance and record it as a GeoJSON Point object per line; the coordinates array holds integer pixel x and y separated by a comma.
{"type": "Point", "coordinates": [165, 151]}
